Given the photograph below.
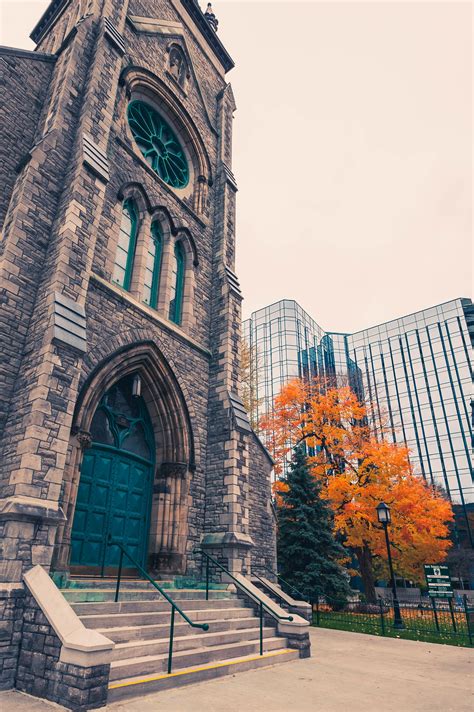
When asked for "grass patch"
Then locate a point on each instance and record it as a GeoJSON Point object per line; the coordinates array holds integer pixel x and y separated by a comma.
{"type": "Point", "coordinates": [371, 624]}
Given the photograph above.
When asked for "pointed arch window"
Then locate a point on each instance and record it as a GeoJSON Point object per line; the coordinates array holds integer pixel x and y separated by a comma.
{"type": "Point", "coordinates": [124, 256]}
{"type": "Point", "coordinates": [153, 267]}
{"type": "Point", "coordinates": [177, 284]}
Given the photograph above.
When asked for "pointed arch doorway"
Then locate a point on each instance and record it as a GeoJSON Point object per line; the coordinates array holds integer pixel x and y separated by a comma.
{"type": "Point", "coordinates": [114, 494]}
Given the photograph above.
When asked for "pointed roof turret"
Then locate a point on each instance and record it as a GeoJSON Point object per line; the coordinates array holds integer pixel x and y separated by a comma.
{"type": "Point", "coordinates": [211, 18]}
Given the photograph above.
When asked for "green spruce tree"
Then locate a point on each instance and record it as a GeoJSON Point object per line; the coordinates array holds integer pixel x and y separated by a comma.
{"type": "Point", "coordinates": [308, 553]}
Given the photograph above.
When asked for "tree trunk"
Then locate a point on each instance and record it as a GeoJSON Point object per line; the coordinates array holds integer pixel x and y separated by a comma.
{"type": "Point", "coordinates": [364, 558]}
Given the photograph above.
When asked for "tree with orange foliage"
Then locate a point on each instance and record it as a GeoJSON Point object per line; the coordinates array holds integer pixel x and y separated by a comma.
{"type": "Point", "coordinates": [358, 469]}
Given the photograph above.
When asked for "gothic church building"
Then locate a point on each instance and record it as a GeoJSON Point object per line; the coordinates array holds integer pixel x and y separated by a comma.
{"type": "Point", "coordinates": [120, 309]}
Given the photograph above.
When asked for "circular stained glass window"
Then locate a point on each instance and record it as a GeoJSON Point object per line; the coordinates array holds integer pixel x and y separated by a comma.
{"type": "Point", "coordinates": [158, 143]}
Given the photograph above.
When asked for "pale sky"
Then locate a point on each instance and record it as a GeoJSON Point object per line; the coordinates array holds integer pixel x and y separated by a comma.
{"type": "Point", "coordinates": [352, 151]}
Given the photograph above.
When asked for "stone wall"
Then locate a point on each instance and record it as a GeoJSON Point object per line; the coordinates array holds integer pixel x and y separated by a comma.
{"type": "Point", "coordinates": [24, 79]}
{"type": "Point", "coordinates": [262, 518]}
{"type": "Point", "coordinates": [41, 673]}
{"type": "Point", "coordinates": [60, 235]}
{"type": "Point", "coordinates": [11, 608]}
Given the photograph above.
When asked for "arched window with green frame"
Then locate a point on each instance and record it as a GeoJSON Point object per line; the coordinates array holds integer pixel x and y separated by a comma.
{"type": "Point", "coordinates": [122, 274]}
{"type": "Point", "coordinates": [153, 267]}
{"type": "Point", "coordinates": [177, 284]}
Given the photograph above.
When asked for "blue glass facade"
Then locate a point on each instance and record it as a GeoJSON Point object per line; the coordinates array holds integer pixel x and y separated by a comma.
{"type": "Point", "coordinates": [414, 371]}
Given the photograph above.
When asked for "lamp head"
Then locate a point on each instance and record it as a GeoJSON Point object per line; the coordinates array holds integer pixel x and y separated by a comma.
{"type": "Point", "coordinates": [136, 386]}
{"type": "Point", "coordinates": [383, 513]}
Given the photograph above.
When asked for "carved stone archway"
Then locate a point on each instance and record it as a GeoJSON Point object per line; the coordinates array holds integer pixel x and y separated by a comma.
{"type": "Point", "coordinates": [174, 456]}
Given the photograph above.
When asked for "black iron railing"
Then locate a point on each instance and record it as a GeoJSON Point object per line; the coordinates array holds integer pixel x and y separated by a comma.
{"type": "Point", "coordinates": [286, 584]}
{"type": "Point", "coordinates": [261, 604]}
{"type": "Point", "coordinates": [173, 604]}
{"type": "Point", "coordinates": [426, 619]}
{"type": "Point", "coordinates": [273, 593]}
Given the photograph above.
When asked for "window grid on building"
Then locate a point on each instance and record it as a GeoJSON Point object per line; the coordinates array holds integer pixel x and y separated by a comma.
{"type": "Point", "coordinates": [415, 372]}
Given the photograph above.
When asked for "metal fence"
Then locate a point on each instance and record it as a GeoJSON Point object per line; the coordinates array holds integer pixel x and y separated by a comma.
{"type": "Point", "coordinates": [427, 619]}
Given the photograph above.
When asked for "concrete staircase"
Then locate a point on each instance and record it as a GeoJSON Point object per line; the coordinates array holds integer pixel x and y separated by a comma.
{"type": "Point", "coordinates": [139, 625]}
{"type": "Point", "coordinates": [275, 593]}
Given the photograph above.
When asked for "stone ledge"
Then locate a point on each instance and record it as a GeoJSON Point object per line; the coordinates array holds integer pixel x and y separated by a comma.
{"type": "Point", "coordinates": [227, 539]}
{"type": "Point", "coordinates": [27, 54]}
{"type": "Point", "coordinates": [151, 313]}
{"type": "Point", "coordinates": [31, 508]}
{"type": "Point", "coordinates": [11, 590]}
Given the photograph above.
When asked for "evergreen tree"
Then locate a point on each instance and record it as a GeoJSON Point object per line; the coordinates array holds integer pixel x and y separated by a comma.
{"type": "Point", "coordinates": [307, 550]}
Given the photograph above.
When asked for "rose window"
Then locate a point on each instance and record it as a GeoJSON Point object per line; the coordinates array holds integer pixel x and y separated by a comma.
{"type": "Point", "coordinates": [158, 144]}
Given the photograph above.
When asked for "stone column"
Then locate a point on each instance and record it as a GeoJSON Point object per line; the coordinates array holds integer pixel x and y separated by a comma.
{"type": "Point", "coordinates": [168, 539]}
{"type": "Point", "coordinates": [69, 160]}
{"type": "Point", "coordinates": [227, 521]}
{"type": "Point", "coordinates": [79, 442]}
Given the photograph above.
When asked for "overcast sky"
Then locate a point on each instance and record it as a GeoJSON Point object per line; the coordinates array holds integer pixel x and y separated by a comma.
{"type": "Point", "coordinates": [352, 151]}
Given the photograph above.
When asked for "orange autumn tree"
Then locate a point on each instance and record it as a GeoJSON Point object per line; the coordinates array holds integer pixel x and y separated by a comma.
{"type": "Point", "coordinates": [360, 468]}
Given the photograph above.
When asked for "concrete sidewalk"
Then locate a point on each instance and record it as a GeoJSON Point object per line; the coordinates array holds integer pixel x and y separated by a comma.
{"type": "Point", "coordinates": [348, 671]}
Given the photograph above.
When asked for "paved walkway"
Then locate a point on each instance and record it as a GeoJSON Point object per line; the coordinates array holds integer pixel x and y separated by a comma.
{"type": "Point", "coordinates": [348, 671]}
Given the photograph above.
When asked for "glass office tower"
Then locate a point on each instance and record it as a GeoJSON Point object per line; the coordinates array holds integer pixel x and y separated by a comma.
{"type": "Point", "coordinates": [284, 343]}
{"type": "Point", "coordinates": [414, 371]}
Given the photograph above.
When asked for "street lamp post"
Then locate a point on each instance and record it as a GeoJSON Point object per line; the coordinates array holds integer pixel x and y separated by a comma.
{"type": "Point", "coordinates": [384, 517]}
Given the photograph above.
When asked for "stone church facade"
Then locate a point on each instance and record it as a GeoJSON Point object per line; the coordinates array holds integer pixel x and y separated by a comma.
{"type": "Point", "coordinates": [120, 414]}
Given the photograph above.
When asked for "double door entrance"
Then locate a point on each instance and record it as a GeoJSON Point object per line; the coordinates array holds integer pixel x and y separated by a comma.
{"type": "Point", "coordinates": [114, 493]}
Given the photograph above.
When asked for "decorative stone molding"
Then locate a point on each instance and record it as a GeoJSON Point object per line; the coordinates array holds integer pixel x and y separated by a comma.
{"type": "Point", "coordinates": [114, 36]}
{"type": "Point", "coordinates": [229, 176]}
{"type": "Point", "coordinates": [239, 413]}
{"type": "Point", "coordinates": [233, 282]}
{"type": "Point", "coordinates": [84, 439]}
{"type": "Point", "coordinates": [150, 25]}
{"type": "Point", "coordinates": [21, 507]}
{"type": "Point", "coordinates": [173, 469]}
{"type": "Point", "coordinates": [226, 539]}
{"type": "Point", "coordinates": [95, 158]}
{"type": "Point", "coordinates": [69, 322]}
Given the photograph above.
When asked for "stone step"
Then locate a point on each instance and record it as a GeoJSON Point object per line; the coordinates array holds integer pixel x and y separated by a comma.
{"type": "Point", "coordinates": [205, 615]}
{"type": "Point", "coordinates": [142, 648]}
{"type": "Point", "coordinates": [122, 689]}
{"type": "Point", "coordinates": [145, 632]}
{"type": "Point", "coordinates": [156, 664]}
{"type": "Point", "coordinates": [137, 583]}
{"type": "Point", "coordinates": [110, 582]}
{"type": "Point", "coordinates": [154, 605]}
{"type": "Point", "coordinates": [125, 594]}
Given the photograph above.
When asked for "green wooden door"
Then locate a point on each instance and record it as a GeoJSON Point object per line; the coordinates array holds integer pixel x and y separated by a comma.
{"type": "Point", "coordinates": [113, 498]}
{"type": "Point", "coordinates": [114, 491]}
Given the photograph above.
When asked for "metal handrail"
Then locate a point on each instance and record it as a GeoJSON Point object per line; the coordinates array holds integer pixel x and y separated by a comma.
{"type": "Point", "coordinates": [174, 606]}
{"type": "Point", "coordinates": [273, 593]}
{"type": "Point", "coordinates": [261, 603]}
{"type": "Point", "coordinates": [280, 578]}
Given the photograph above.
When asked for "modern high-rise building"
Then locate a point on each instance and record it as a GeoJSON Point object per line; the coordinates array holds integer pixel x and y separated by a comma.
{"type": "Point", "coordinates": [414, 371]}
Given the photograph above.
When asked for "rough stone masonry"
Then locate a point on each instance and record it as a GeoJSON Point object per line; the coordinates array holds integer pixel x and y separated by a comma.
{"type": "Point", "coordinates": [96, 375]}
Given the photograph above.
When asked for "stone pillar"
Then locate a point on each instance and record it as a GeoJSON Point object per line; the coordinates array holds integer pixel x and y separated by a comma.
{"type": "Point", "coordinates": [27, 534]}
{"type": "Point", "coordinates": [168, 540]}
{"type": "Point", "coordinates": [79, 442]}
{"type": "Point", "coordinates": [227, 520]}
{"type": "Point", "coordinates": [57, 241]}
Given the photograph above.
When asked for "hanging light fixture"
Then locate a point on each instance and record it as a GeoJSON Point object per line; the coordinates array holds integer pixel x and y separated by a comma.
{"type": "Point", "coordinates": [136, 386]}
